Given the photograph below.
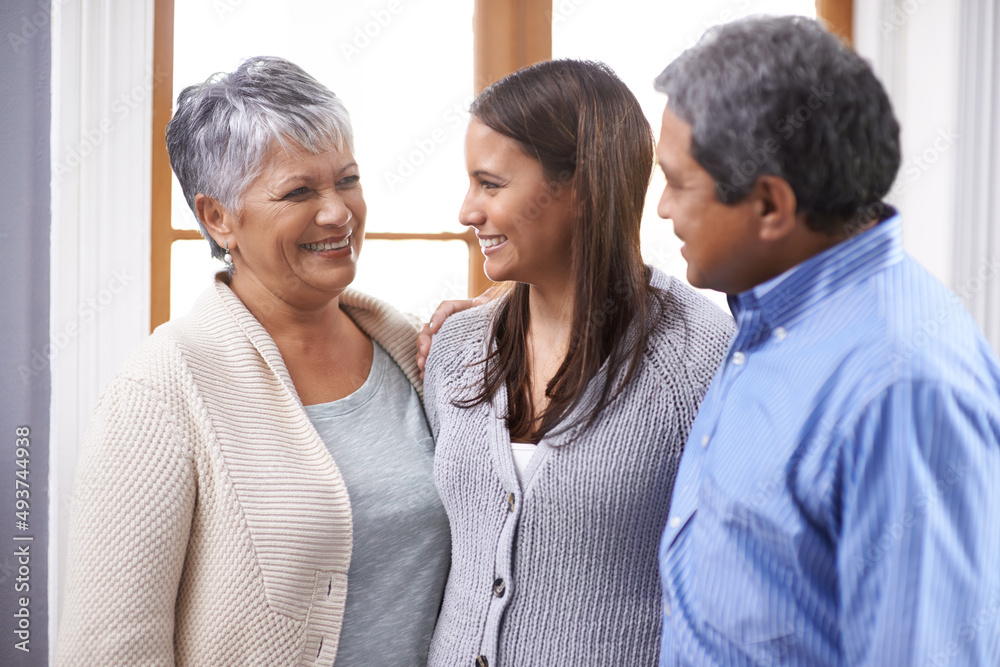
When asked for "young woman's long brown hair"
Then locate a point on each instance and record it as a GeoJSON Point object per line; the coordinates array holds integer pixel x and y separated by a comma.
{"type": "Point", "coordinates": [588, 132]}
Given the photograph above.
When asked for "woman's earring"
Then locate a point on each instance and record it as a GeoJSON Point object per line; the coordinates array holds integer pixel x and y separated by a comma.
{"type": "Point", "coordinates": [227, 258]}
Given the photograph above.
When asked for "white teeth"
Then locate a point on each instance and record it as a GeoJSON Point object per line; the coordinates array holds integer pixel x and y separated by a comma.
{"type": "Point", "coordinates": [490, 242]}
{"type": "Point", "coordinates": [327, 246]}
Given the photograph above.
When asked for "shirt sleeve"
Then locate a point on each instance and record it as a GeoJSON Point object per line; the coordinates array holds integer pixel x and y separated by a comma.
{"type": "Point", "coordinates": [131, 514]}
{"type": "Point", "coordinates": [919, 543]}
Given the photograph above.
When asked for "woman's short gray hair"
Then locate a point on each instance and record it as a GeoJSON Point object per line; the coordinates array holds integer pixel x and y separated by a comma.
{"type": "Point", "coordinates": [222, 129]}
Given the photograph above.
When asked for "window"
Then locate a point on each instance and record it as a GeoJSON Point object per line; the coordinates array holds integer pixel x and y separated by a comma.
{"type": "Point", "coordinates": [409, 148]}
{"type": "Point", "coordinates": [406, 77]}
{"type": "Point", "coordinates": [666, 29]}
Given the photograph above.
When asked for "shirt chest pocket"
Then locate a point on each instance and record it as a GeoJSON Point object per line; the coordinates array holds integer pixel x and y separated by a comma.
{"type": "Point", "coordinates": [746, 564]}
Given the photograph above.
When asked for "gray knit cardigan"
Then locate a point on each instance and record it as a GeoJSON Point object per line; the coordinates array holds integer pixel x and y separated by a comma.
{"type": "Point", "coordinates": [562, 569]}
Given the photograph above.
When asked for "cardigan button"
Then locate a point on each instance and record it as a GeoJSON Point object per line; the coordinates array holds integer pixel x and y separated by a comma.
{"type": "Point", "coordinates": [499, 587]}
{"type": "Point", "coordinates": [481, 661]}
{"type": "Point", "coordinates": [510, 503]}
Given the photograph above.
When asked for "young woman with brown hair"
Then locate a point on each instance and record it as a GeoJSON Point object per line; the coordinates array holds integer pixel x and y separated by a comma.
{"type": "Point", "coordinates": [560, 410]}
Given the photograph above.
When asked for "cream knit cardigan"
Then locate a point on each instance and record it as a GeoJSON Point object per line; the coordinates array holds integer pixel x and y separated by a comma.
{"type": "Point", "coordinates": [210, 525]}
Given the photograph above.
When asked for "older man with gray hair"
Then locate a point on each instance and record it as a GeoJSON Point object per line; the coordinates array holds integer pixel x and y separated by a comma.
{"type": "Point", "coordinates": [837, 502]}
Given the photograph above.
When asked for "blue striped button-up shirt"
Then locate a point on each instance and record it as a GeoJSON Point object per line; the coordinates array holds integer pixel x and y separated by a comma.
{"type": "Point", "coordinates": [838, 501]}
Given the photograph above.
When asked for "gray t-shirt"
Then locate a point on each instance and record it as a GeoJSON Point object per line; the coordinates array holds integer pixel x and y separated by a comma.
{"type": "Point", "coordinates": [380, 440]}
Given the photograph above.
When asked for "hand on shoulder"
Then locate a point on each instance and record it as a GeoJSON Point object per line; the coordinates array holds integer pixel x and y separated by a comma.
{"type": "Point", "coordinates": [442, 313]}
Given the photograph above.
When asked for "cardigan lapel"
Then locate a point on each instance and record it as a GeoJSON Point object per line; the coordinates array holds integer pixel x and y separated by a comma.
{"type": "Point", "coordinates": [255, 333]}
{"type": "Point", "coordinates": [289, 491]}
{"type": "Point", "coordinates": [384, 324]}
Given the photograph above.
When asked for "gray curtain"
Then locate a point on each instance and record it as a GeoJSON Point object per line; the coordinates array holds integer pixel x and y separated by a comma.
{"type": "Point", "coordinates": [25, 221]}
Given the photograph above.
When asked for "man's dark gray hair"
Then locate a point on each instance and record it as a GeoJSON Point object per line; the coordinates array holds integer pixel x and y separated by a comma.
{"type": "Point", "coordinates": [782, 96]}
{"type": "Point", "coordinates": [222, 129]}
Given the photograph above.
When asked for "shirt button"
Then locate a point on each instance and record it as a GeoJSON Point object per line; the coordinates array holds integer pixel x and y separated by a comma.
{"type": "Point", "coordinates": [499, 587]}
{"type": "Point", "coordinates": [739, 358]}
{"type": "Point", "coordinates": [704, 440]}
{"type": "Point", "coordinates": [481, 661]}
{"type": "Point", "coordinates": [666, 608]}
{"type": "Point", "coordinates": [781, 333]}
{"type": "Point", "coordinates": [675, 521]}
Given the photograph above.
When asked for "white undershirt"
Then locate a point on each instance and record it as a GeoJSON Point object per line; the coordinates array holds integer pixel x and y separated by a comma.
{"type": "Point", "coordinates": [522, 452]}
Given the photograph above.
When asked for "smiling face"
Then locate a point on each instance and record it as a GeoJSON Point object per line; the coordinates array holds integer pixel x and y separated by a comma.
{"type": "Point", "coordinates": [301, 227]}
{"type": "Point", "coordinates": [524, 220]}
{"type": "Point", "coordinates": [719, 239]}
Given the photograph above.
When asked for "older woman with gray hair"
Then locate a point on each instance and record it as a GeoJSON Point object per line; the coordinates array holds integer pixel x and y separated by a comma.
{"type": "Point", "coordinates": [256, 486]}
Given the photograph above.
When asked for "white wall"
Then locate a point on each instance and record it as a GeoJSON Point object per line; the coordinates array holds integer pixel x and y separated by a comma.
{"type": "Point", "coordinates": [100, 246]}
{"type": "Point", "coordinates": [913, 46]}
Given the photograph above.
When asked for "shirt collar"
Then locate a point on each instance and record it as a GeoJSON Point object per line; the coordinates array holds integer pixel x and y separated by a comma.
{"type": "Point", "coordinates": [789, 296]}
